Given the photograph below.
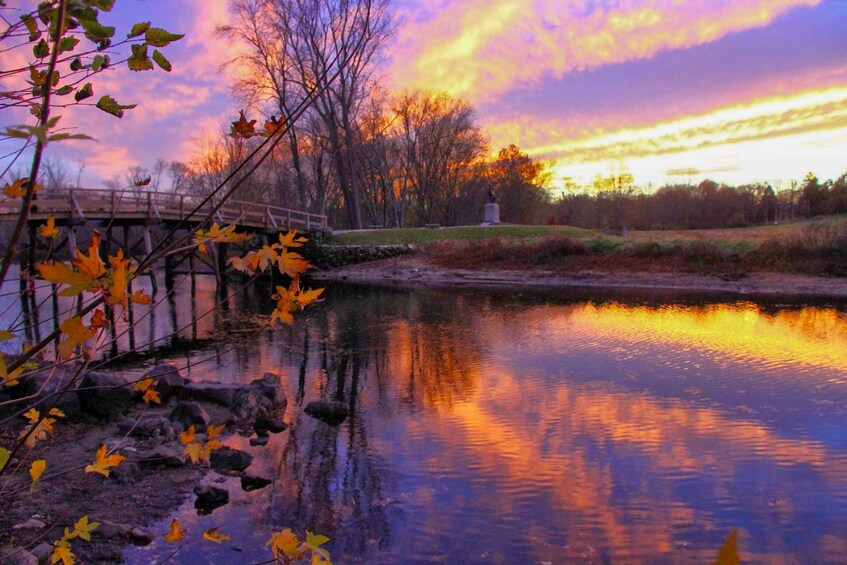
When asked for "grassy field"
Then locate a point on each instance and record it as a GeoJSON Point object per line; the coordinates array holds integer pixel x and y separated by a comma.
{"type": "Point", "coordinates": [816, 246]}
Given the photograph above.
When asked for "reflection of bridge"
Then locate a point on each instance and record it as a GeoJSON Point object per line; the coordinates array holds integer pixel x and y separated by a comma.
{"type": "Point", "coordinates": [77, 206]}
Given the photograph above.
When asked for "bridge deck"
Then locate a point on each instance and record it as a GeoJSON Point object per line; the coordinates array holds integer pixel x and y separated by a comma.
{"type": "Point", "coordinates": [79, 205]}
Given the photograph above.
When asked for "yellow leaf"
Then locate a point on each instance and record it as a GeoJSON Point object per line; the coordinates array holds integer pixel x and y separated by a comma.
{"type": "Point", "coordinates": [57, 272]}
{"type": "Point", "coordinates": [48, 230]}
{"type": "Point", "coordinates": [286, 304]}
{"type": "Point", "coordinates": [291, 263]}
{"type": "Point", "coordinates": [272, 126]}
{"type": "Point", "coordinates": [56, 412]}
{"type": "Point", "coordinates": [104, 462]}
{"type": "Point", "coordinates": [17, 189]}
{"type": "Point", "coordinates": [187, 436]}
{"type": "Point", "coordinates": [291, 240]}
{"type": "Point", "coordinates": [98, 320]}
{"type": "Point", "coordinates": [117, 290]}
{"type": "Point", "coordinates": [174, 534]}
{"type": "Point", "coordinates": [90, 265]}
{"type": "Point", "coordinates": [4, 457]}
{"type": "Point", "coordinates": [32, 415]}
{"type": "Point", "coordinates": [62, 552]}
{"type": "Point", "coordinates": [306, 297]}
{"type": "Point", "coordinates": [284, 543]}
{"type": "Point", "coordinates": [728, 554]}
{"type": "Point", "coordinates": [83, 528]}
{"type": "Point", "coordinates": [5, 335]}
{"type": "Point", "coordinates": [75, 334]}
{"type": "Point", "coordinates": [35, 471]}
{"type": "Point", "coordinates": [211, 446]}
{"type": "Point", "coordinates": [194, 451]}
{"type": "Point", "coordinates": [214, 535]}
{"type": "Point", "coordinates": [213, 431]}
{"type": "Point", "coordinates": [143, 384]}
{"type": "Point", "coordinates": [240, 264]}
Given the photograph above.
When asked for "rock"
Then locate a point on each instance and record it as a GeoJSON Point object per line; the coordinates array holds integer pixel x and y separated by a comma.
{"type": "Point", "coordinates": [331, 412]}
{"type": "Point", "coordinates": [104, 395]}
{"type": "Point", "coordinates": [253, 482]}
{"type": "Point", "coordinates": [188, 413]}
{"type": "Point", "coordinates": [126, 473]}
{"type": "Point", "coordinates": [141, 536]}
{"type": "Point", "coordinates": [17, 556]}
{"type": "Point", "coordinates": [109, 530]}
{"type": "Point", "coordinates": [31, 524]}
{"type": "Point", "coordinates": [148, 426]}
{"type": "Point", "coordinates": [260, 440]}
{"type": "Point", "coordinates": [271, 423]}
{"type": "Point", "coordinates": [209, 498]}
{"type": "Point", "coordinates": [163, 455]}
{"type": "Point", "coordinates": [42, 552]}
{"type": "Point", "coordinates": [218, 393]}
{"type": "Point", "coordinates": [229, 459]}
{"type": "Point", "coordinates": [168, 380]}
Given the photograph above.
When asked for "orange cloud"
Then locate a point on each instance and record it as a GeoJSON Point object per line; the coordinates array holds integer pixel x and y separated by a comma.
{"type": "Point", "coordinates": [479, 49]}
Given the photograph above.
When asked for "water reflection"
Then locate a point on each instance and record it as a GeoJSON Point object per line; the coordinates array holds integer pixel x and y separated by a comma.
{"type": "Point", "coordinates": [492, 428]}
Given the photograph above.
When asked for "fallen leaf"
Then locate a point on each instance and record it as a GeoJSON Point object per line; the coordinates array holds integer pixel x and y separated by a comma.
{"type": "Point", "coordinates": [174, 534]}
{"type": "Point", "coordinates": [104, 462]}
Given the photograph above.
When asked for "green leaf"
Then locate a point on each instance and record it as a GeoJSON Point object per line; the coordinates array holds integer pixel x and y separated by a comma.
{"type": "Point", "coordinates": [63, 136]}
{"type": "Point", "coordinates": [105, 5]}
{"type": "Point", "coordinates": [158, 37]}
{"type": "Point", "coordinates": [99, 62]}
{"type": "Point", "coordinates": [31, 26]}
{"type": "Point", "coordinates": [4, 456]}
{"type": "Point", "coordinates": [95, 31]}
{"type": "Point", "coordinates": [67, 43]}
{"type": "Point", "coordinates": [139, 61]}
{"type": "Point", "coordinates": [110, 106]}
{"type": "Point", "coordinates": [138, 29]}
{"type": "Point", "coordinates": [67, 89]}
{"type": "Point", "coordinates": [87, 91]}
{"type": "Point", "coordinates": [161, 61]}
{"type": "Point", "coordinates": [41, 49]}
{"type": "Point", "coordinates": [76, 64]}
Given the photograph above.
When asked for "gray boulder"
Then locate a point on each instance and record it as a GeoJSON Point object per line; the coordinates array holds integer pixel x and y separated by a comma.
{"type": "Point", "coordinates": [104, 395]}
{"type": "Point", "coordinates": [188, 413]}
{"type": "Point", "coordinates": [17, 556]}
{"type": "Point", "coordinates": [227, 459]}
{"type": "Point", "coordinates": [209, 498]}
{"type": "Point", "coordinates": [253, 482]}
{"type": "Point", "coordinates": [168, 380]}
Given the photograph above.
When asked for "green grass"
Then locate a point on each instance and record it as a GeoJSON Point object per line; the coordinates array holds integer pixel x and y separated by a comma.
{"type": "Point", "coordinates": [423, 236]}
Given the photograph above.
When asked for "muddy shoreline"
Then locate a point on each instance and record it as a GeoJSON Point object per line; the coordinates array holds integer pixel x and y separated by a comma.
{"type": "Point", "coordinates": [415, 271]}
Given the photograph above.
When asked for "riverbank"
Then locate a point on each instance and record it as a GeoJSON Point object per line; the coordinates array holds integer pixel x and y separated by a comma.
{"type": "Point", "coordinates": [422, 270]}
{"type": "Point", "coordinates": [157, 475]}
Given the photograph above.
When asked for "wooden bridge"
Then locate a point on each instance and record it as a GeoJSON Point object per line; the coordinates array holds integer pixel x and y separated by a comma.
{"type": "Point", "coordinates": [78, 206]}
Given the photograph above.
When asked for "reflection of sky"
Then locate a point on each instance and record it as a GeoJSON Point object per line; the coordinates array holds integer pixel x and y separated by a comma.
{"type": "Point", "coordinates": [588, 85]}
{"type": "Point", "coordinates": [505, 429]}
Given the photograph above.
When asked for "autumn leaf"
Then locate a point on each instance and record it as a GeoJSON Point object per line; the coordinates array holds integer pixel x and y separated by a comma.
{"type": "Point", "coordinates": [188, 436]}
{"type": "Point", "coordinates": [284, 543]}
{"type": "Point", "coordinates": [58, 272]}
{"type": "Point", "coordinates": [4, 457]}
{"type": "Point", "coordinates": [151, 395]}
{"type": "Point", "coordinates": [104, 462]}
{"type": "Point", "coordinates": [213, 431]}
{"type": "Point", "coordinates": [272, 126]}
{"type": "Point", "coordinates": [38, 428]}
{"type": "Point", "coordinates": [35, 471]}
{"type": "Point", "coordinates": [286, 304]}
{"type": "Point", "coordinates": [291, 240]}
{"type": "Point", "coordinates": [138, 297]}
{"type": "Point", "coordinates": [62, 552]}
{"type": "Point", "coordinates": [174, 534]}
{"type": "Point", "coordinates": [98, 320]}
{"type": "Point", "coordinates": [18, 188]}
{"type": "Point", "coordinates": [728, 554]}
{"type": "Point", "coordinates": [314, 542]}
{"type": "Point", "coordinates": [218, 235]}
{"type": "Point", "coordinates": [7, 378]}
{"type": "Point", "coordinates": [214, 535]}
{"type": "Point", "coordinates": [292, 264]}
{"type": "Point", "coordinates": [75, 334]}
{"type": "Point", "coordinates": [194, 451]}
{"type": "Point", "coordinates": [242, 128]}
{"type": "Point", "coordinates": [306, 297]}
{"type": "Point", "coordinates": [56, 412]}
{"type": "Point", "coordinates": [83, 528]}
{"type": "Point", "coordinates": [210, 446]}
{"type": "Point", "coordinates": [117, 289]}
{"type": "Point", "coordinates": [48, 231]}
{"type": "Point", "coordinates": [90, 265]}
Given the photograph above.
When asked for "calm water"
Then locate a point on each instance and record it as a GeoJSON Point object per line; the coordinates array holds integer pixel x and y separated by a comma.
{"type": "Point", "coordinates": [528, 428]}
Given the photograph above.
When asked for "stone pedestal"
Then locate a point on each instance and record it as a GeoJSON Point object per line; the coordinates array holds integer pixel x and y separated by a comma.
{"type": "Point", "coordinates": [492, 214]}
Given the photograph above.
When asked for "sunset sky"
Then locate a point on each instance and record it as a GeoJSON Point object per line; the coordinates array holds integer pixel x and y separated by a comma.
{"type": "Point", "coordinates": [741, 90]}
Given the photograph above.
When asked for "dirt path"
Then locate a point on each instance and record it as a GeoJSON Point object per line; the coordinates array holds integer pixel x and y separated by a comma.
{"type": "Point", "coordinates": [416, 271]}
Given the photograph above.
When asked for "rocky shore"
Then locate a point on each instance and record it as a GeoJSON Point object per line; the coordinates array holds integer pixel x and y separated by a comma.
{"type": "Point", "coordinates": [157, 475]}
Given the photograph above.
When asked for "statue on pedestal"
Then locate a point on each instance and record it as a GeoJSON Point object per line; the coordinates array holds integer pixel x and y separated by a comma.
{"type": "Point", "coordinates": [492, 209]}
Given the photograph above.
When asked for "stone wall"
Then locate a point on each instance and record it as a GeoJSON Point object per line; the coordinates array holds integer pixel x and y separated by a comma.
{"type": "Point", "coordinates": [332, 256]}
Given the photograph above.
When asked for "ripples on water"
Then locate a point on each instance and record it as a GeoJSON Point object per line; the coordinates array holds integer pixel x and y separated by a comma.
{"type": "Point", "coordinates": [508, 428]}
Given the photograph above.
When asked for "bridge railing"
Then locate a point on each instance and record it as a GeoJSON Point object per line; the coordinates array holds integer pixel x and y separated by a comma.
{"type": "Point", "coordinates": [82, 204]}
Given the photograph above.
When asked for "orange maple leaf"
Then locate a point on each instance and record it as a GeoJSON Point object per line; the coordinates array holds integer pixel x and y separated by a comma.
{"type": "Point", "coordinates": [76, 334]}
{"type": "Point", "coordinates": [174, 533]}
{"type": "Point", "coordinates": [242, 128]}
{"type": "Point", "coordinates": [48, 230]}
{"type": "Point", "coordinates": [292, 264]}
{"type": "Point", "coordinates": [62, 552]}
{"type": "Point", "coordinates": [90, 265]}
{"type": "Point", "coordinates": [291, 240]}
{"type": "Point", "coordinates": [104, 462]}
{"type": "Point", "coordinates": [272, 126]}
{"type": "Point", "coordinates": [138, 297]}
{"type": "Point", "coordinates": [306, 297]}
{"type": "Point", "coordinates": [98, 320]}
{"type": "Point", "coordinates": [214, 535]}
